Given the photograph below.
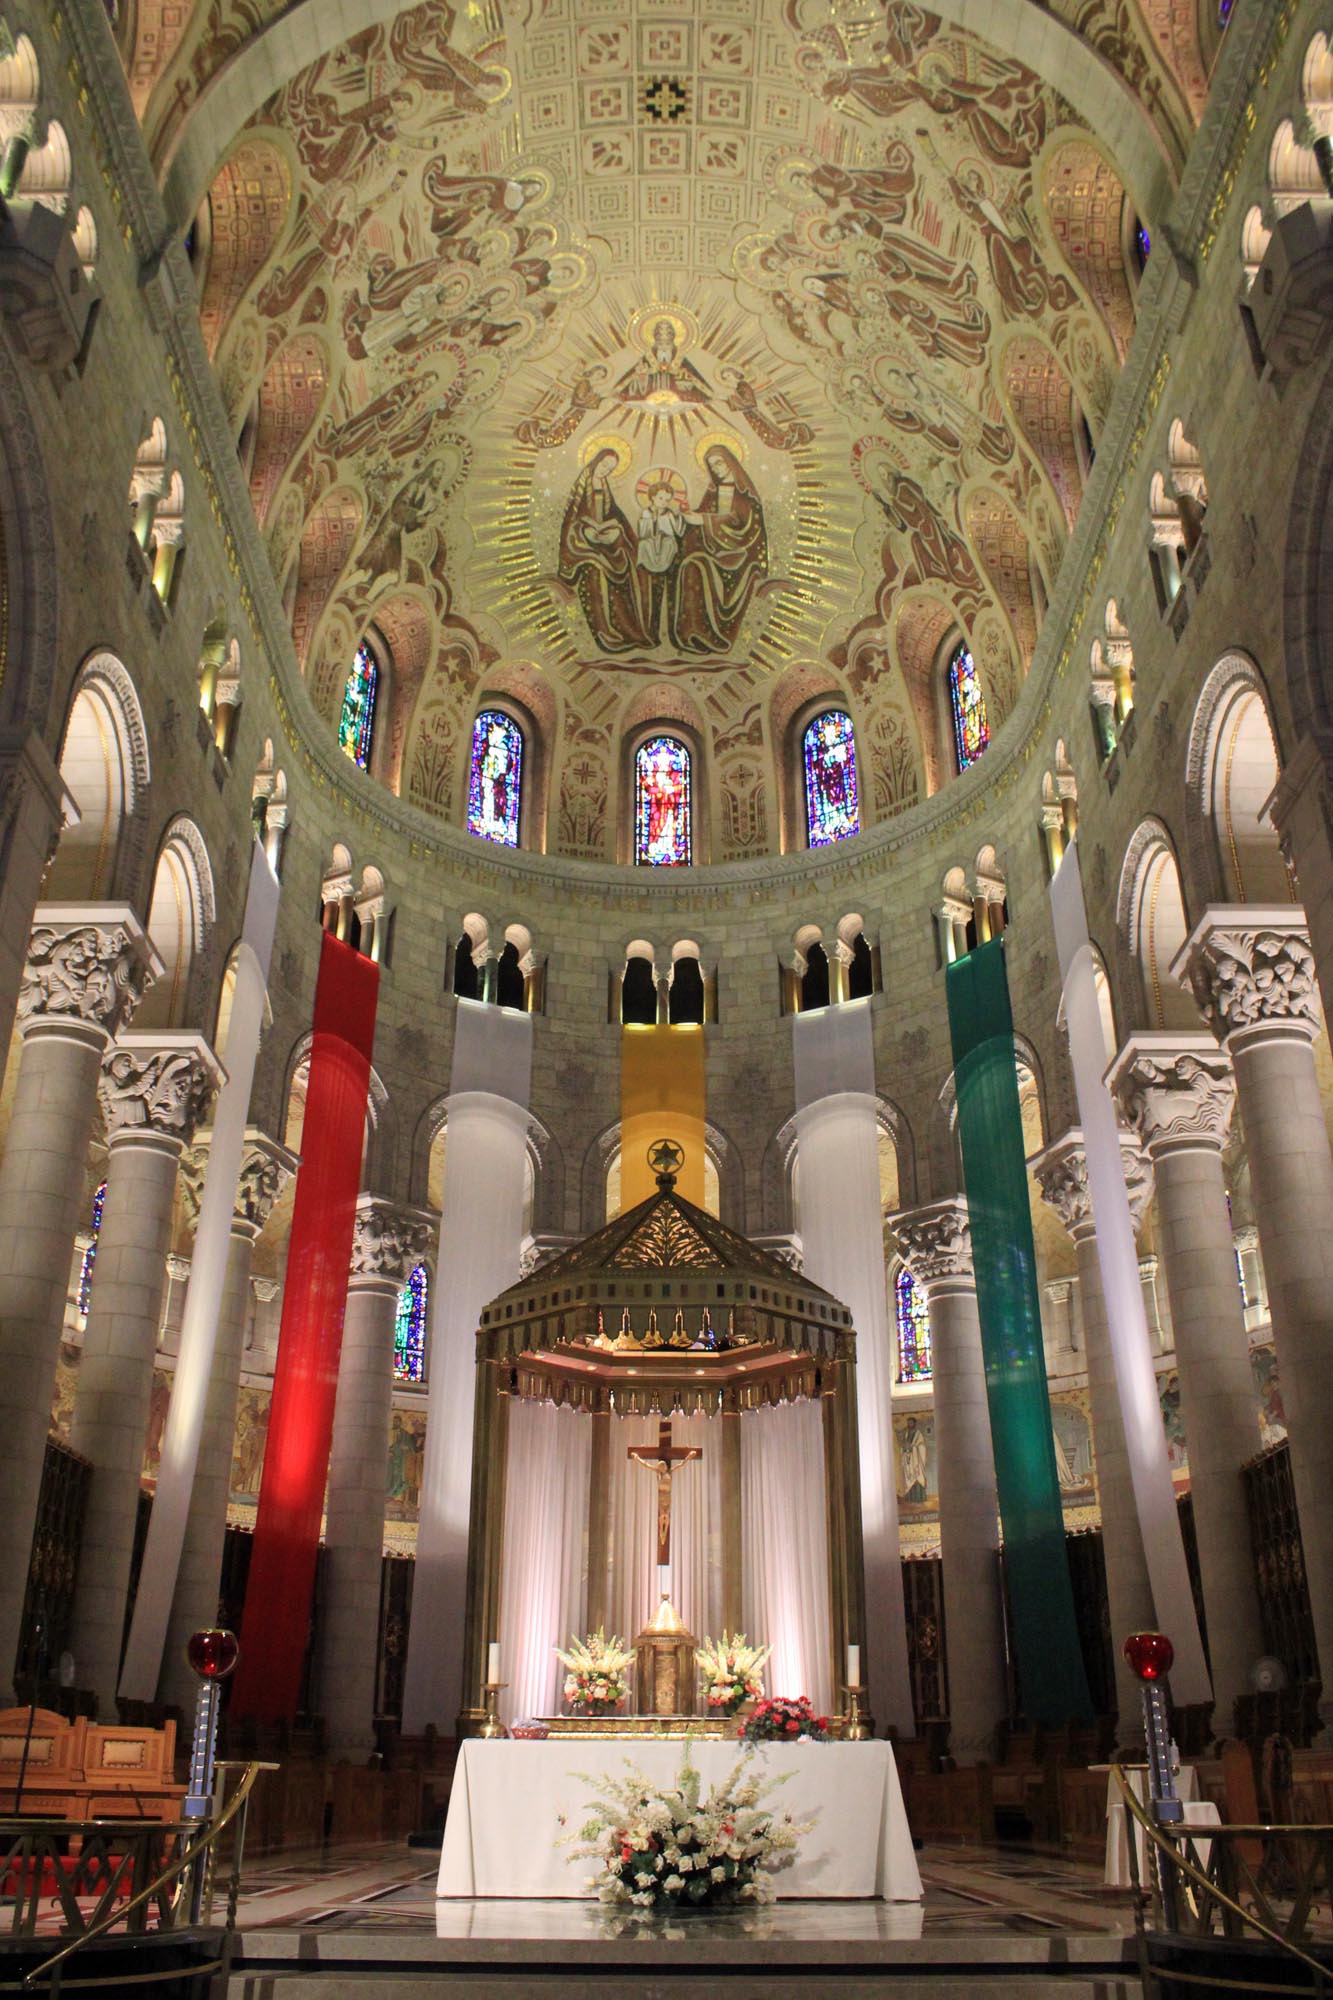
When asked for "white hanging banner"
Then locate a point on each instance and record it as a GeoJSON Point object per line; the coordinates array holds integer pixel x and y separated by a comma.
{"type": "Point", "coordinates": [481, 1231]}
{"type": "Point", "coordinates": [1118, 1261]}
{"type": "Point", "coordinates": [842, 1237]}
{"type": "Point", "coordinates": [208, 1264]}
{"type": "Point", "coordinates": [542, 1566]}
{"type": "Point", "coordinates": [785, 1553]}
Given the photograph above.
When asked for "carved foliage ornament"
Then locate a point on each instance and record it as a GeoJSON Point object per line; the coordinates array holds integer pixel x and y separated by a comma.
{"type": "Point", "coordinates": [164, 1091]}
{"type": "Point", "coordinates": [936, 1242]}
{"type": "Point", "coordinates": [387, 1242]}
{"type": "Point", "coordinates": [1170, 1099]}
{"type": "Point", "coordinates": [94, 973]}
{"type": "Point", "coordinates": [1249, 978]}
{"type": "Point", "coordinates": [265, 1171]}
{"type": "Point", "coordinates": [1062, 1175]}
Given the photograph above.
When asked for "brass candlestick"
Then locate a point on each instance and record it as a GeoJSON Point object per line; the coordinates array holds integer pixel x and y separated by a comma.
{"type": "Point", "coordinates": [492, 1729]}
{"type": "Point", "coordinates": [856, 1728]}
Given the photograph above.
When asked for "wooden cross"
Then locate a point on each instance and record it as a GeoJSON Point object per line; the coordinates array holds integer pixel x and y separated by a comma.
{"type": "Point", "coordinates": [664, 1461]}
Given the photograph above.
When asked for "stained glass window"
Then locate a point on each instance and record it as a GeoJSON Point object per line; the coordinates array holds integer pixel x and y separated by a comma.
{"type": "Point", "coordinates": [1143, 243]}
{"type": "Point", "coordinates": [971, 731]}
{"type": "Point", "coordinates": [913, 1319]}
{"type": "Point", "coordinates": [662, 803]}
{"type": "Point", "coordinates": [496, 779]}
{"type": "Point", "coordinates": [409, 1328]}
{"type": "Point", "coordinates": [90, 1254]}
{"type": "Point", "coordinates": [356, 725]}
{"type": "Point", "coordinates": [828, 749]}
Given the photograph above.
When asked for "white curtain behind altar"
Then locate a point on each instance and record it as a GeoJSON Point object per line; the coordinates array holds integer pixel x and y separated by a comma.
{"type": "Point", "coordinates": [696, 1528]}
{"type": "Point", "coordinates": [543, 1585]}
{"type": "Point", "coordinates": [784, 1548]}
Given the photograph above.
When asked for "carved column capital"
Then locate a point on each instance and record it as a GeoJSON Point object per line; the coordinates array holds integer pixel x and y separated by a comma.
{"type": "Point", "coordinates": [1252, 973]}
{"type": "Point", "coordinates": [1062, 1175]}
{"type": "Point", "coordinates": [266, 1168]}
{"type": "Point", "coordinates": [87, 967]}
{"type": "Point", "coordinates": [1176, 1090]}
{"type": "Point", "coordinates": [935, 1243]}
{"type": "Point", "coordinates": [388, 1240]}
{"type": "Point", "coordinates": [156, 1085]}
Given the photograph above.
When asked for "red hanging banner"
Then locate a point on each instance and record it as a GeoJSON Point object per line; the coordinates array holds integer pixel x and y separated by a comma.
{"type": "Point", "coordinates": [305, 1379]}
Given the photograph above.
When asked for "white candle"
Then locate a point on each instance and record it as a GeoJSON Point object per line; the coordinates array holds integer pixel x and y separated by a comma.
{"type": "Point", "coordinates": [853, 1666]}
{"type": "Point", "coordinates": [493, 1663]}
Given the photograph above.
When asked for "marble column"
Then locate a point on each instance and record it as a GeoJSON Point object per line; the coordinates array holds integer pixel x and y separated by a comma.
{"type": "Point", "coordinates": [1061, 1172]}
{"type": "Point", "coordinates": [266, 1168]}
{"type": "Point", "coordinates": [1253, 976]}
{"type": "Point", "coordinates": [86, 969]}
{"type": "Point", "coordinates": [936, 1246]}
{"type": "Point", "coordinates": [1178, 1093]}
{"type": "Point", "coordinates": [155, 1086]}
{"type": "Point", "coordinates": [388, 1241]}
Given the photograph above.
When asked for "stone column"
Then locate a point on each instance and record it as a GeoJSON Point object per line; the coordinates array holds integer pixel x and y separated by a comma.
{"type": "Point", "coordinates": [1062, 1175]}
{"type": "Point", "coordinates": [1178, 1092]}
{"type": "Point", "coordinates": [936, 1245]}
{"type": "Point", "coordinates": [86, 969]}
{"type": "Point", "coordinates": [155, 1086]}
{"type": "Point", "coordinates": [1252, 973]}
{"type": "Point", "coordinates": [389, 1240]}
{"type": "Point", "coordinates": [265, 1169]}
{"type": "Point", "coordinates": [1302, 812]}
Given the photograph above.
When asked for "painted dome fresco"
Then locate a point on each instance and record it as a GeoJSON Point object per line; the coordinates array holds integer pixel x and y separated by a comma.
{"type": "Point", "coordinates": [713, 369]}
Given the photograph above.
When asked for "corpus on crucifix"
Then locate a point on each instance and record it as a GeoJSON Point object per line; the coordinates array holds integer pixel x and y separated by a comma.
{"type": "Point", "coordinates": [664, 1458]}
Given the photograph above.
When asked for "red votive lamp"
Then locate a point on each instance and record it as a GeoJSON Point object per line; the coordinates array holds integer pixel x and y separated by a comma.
{"type": "Point", "coordinates": [213, 1653]}
{"type": "Point", "coordinates": [1149, 1654]}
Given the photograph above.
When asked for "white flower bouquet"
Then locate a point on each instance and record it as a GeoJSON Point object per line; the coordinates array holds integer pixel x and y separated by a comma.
{"type": "Point", "coordinates": [680, 1851]}
{"type": "Point", "coordinates": [595, 1681]}
{"type": "Point", "coordinates": [731, 1669]}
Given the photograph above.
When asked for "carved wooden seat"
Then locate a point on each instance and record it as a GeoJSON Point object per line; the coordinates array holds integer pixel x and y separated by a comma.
{"type": "Point", "coordinates": [87, 1770]}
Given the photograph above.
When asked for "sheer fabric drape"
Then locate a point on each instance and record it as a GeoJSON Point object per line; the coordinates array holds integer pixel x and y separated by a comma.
{"type": "Point", "coordinates": [543, 1590]}
{"type": "Point", "coordinates": [784, 1542]}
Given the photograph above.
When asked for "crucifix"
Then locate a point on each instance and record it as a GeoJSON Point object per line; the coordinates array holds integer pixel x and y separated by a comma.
{"type": "Point", "coordinates": [663, 1459]}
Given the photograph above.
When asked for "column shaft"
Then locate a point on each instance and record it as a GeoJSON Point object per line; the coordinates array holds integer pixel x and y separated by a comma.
{"type": "Point", "coordinates": [969, 1522]}
{"type": "Point", "coordinates": [599, 1518]}
{"type": "Point", "coordinates": [41, 1206]}
{"type": "Point", "coordinates": [114, 1393]}
{"type": "Point", "coordinates": [1128, 1590]}
{"type": "Point", "coordinates": [354, 1521]}
{"type": "Point", "coordinates": [199, 1577]}
{"type": "Point", "coordinates": [1220, 1406]}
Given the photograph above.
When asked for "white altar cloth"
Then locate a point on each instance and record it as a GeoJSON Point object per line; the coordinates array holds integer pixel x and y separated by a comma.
{"type": "Point", "coordinates": [504, 1813]}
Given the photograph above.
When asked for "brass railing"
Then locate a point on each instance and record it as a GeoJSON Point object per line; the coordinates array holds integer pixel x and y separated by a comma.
{"type": "Point", "coordinates": [141, 1876]}
{"type": "Point", "coordinates": [1231, 1882]}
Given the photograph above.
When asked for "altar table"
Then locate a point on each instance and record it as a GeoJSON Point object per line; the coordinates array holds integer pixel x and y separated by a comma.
{"type": "Point", "coordinates": [504, 1813]}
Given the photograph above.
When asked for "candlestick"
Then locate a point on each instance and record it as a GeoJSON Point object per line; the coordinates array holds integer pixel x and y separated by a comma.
{"type": "Point", "coordinates": [856, 1728]}
{"type": "Point", "coordinates": [492, 1730]}
{"type": "Point", "coordinates": [493, 1661]}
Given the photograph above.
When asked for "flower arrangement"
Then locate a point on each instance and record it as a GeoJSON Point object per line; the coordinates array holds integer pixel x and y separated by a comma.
{"type": "Point", "coordinates": [784, 1719]}
{"type": "Point", "coordinates": [731, 1671]}
{"type": "Point", "coordinates": [595, 1672]}
{"type": "Point", "coordinates": [681, 1851]}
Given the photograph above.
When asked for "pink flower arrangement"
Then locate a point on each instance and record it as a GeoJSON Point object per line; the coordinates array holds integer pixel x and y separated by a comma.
{"type": "Point", "coordinates": [784, 1719]}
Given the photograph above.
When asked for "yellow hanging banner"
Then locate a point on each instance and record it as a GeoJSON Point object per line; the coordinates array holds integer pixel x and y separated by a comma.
{"type": "Point", "coordinates": [662, 1096]}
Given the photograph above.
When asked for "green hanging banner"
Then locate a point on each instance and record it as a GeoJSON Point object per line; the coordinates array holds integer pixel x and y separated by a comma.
{"type": "Point", "coordinates": [990, 1126]}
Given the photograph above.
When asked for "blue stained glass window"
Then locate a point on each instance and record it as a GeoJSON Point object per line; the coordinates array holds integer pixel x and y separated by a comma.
{"type": "Point", "coordinates": [496, 778]}
{"type": "Point", "coordinates": [90, 1254]}
{"type": "Point", "coordinates": [1144, 242]}
{"type": "Point", "coordinates": [971, 731]}
{"type": "Point", "coordinates": [662, 803]}
{"type": "Point", "coordinates": [356, 725]}
{"type": "Point", "coordinates": [828, 750]}
{"type": "Point", "coordinates": [409, 1328]}
{"type": "Point", "coordinates": [913, 1320]}
{"type": "Point", "coordinates": [1223, 12]}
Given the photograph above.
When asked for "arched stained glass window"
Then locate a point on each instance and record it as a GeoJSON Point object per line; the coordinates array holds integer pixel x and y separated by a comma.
{"type": "Point", "coordinates": [828, 750]}
{"type": "Point", "coordinates": [496, 777]}
{"type": "Point", "coordinates": [409, 1328]}
{"type": "Point", "coordinates": [356, 725]}
{"type": "Point", "coordinates": [662, 803]}
{"type": "Point", "coordinates": [90, 1254]}
{"type": "Point", "coordinates": [913, 1320]}
{"type": "Point", "coordinates": [971, 731]}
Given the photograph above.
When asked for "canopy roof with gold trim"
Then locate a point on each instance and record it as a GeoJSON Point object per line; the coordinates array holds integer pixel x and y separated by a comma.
{"type": "Point", "coordinates": [666, 1309]}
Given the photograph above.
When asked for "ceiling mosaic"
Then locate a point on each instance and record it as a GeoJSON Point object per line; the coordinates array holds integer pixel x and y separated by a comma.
{"type": "Point", "coordinates": [666, 361]}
